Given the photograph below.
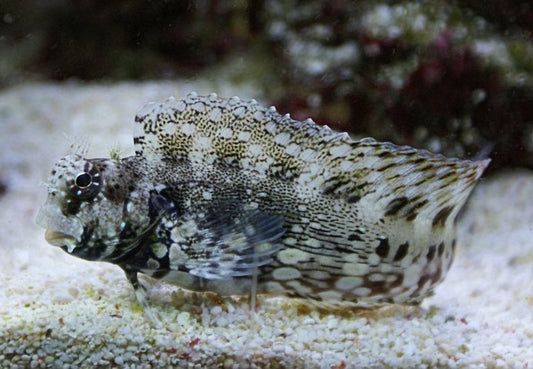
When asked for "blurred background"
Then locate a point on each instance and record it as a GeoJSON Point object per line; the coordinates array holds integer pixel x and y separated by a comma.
{"type": "Point", "coordinates": [454, 77]}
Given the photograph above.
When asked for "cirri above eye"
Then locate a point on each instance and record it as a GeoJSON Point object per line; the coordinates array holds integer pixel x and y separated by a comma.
{"type": "Point", "coordinates": [86, 184]}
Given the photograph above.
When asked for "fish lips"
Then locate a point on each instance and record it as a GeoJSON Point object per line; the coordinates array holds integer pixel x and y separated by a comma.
{"type": "Point", "coordinates": [58, 238]}
{"type": "Point", "coordinates": [61, 231]}
{"type": "Point", "coordinates": [63, 240]}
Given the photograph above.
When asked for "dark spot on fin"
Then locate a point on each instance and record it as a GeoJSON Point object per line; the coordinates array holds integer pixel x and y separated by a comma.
{"type": "Point", "coordinates": [236, 244]}
{"type": "Point", "coordinates": [354, 237]}
{"type": "Point", "coordinates": [441, 249]}
{"type": "Point", "coordinates": [352, 199]}
{"type": "Point", "coordinates": [442, 216]}
{"type": "Point", "coordinates": [412, 213]}
{"type": "Point", "coordinates": [396, 205]}
{"type": "Point", "coordinates": [431, 253]}
{"type": "Point", "coordinates": [402, 251]}
{"type": "Point", "coordinates": [383, 249]}
{"type": "Point", "coordinates": [333, 185]}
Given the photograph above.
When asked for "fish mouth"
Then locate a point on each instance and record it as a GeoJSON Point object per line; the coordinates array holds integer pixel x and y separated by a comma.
{"type": "Point", "coordinates": [53, 221]}
{"type": "Point", "coordinates": [60, 239]}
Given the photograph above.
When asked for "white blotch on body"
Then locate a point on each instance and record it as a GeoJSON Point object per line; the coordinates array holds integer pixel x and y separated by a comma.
{"type": "Point", "coordinates": [169, 128]}
{"type": "Point", "coordinates": [244, 136]}
{"type": "Point", "coordinates": [215, 115]}
{"type": "Point", "coordinates": [282, 138]}
{"type": "Point", "coordinates": [340, 151]}
{"type": "Point", "coordinates": [346, 166]}
{"type": "Point", "coordinates": [362, 291]}
{"type": "Point", "coordinates": [292, 256]}
{"type": "Point", "coordinates": [286, 273]}
{"type": "Point", "coordinates": [187, 129]}
{"type": "Point", "coordinates": [330, 295]}
{"type": "Point", "coordinates": [270, 127]}
{"type": "Point", "coordinates": [373, 259]}
{"type": "Point", "coordinates": [203, 142]}
{"type": "Point", "coordinates": [351, 258]}
{"type": "Point", "coordinates": [159, 250]}
{"type": "Point", "coordinates": [308, 155]}
{"type": "Point", "coordinates": [289, 241]}
{"type": "Point", "coordinates": [300, 288]}
{"type": "Point", "coordinates": [199, 107]}
{"type": "Point", "coordinates": [180, 106]}
{"type": "Point", "coordinates": [292, 149]}
{"type": "Point", "coordinates": [348, 283]}
{"type": "Point", "coordinates": [376, 277]}
{"type": "Point", "coordinates": [187, 229]}
{"type": "Point", "coordinates": [319, 274]}
{"type": "Point", "coordinates": [240, 112]}
{"type": "Point", "coordinates": [274, 287]}
{"type": "Point", "coordinates": [312, 242]}
{"type": "Point", "coordinates": [176, 256]}
{"type": "Point", "coordinates": [152, 264]}
{"type": "Point", "coordinates": [226, 133]}
{"type": "Point", "coordinates": [255, 150]}
{"type": "Point", "coordinates": [356, 269]}
{"type": "Point", "coordinates": [412, 275]}
{"type": "Point", "coordinates": [297, 228]}
{"type": "Point", "coordinates": [258, 115]}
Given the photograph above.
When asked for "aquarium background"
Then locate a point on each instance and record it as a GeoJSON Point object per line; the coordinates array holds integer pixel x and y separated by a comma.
{"type": "Point", "coordinates": [453, 77]}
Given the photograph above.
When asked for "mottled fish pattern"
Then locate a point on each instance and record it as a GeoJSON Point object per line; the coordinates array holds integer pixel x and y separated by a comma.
{"type": "Point", "coordinates": [228, 196]}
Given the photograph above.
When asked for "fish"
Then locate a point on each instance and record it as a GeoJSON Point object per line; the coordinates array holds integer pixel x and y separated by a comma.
{"type": "Point", "coordinates": [231, 197]}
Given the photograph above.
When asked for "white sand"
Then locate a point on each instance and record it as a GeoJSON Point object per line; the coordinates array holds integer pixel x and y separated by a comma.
{"type": "Point", "coordinates": [61, 312]}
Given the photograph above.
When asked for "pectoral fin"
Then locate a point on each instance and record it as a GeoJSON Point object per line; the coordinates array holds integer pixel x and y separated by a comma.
{"type": "Point", "coordinates": [234, 246]}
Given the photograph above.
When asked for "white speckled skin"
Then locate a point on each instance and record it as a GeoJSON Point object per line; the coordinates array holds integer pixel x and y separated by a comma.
{"type": "Point", "coordinates": [223, 189]}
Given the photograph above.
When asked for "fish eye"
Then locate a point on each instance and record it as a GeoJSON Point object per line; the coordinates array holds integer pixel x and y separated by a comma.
{"type": "Point", "coordinates": [85, 185]}
{"type": "Point", "coordinates": [83, 180]}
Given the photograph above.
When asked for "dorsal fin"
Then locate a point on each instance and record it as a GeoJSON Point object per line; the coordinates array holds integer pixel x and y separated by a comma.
{"type": "Point", "coordinates": [246, 135]}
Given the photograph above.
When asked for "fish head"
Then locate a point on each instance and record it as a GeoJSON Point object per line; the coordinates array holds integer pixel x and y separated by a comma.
{"type": "Point", "coordinates": [89, 206]}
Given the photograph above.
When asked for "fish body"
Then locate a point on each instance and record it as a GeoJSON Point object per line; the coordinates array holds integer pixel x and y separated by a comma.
{"type": "Point", "coordinates": [228, 196]}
